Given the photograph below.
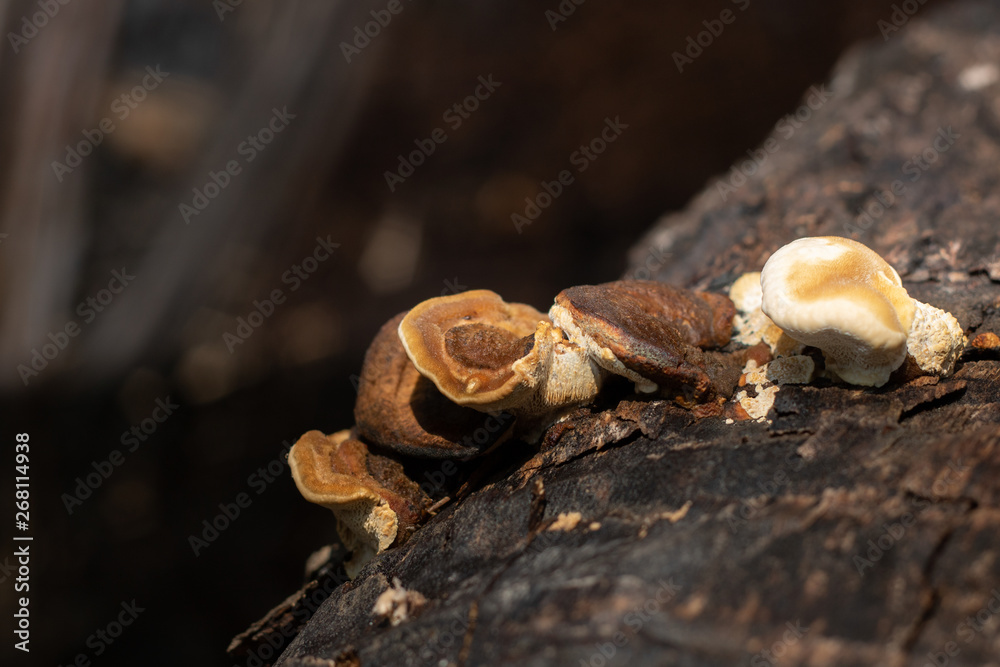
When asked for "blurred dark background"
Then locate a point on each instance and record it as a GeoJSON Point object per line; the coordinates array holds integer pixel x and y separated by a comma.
{"type": "Point", "coordinates": [447, 227]}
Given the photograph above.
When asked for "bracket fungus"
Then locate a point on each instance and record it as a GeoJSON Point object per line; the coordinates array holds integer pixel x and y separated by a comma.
{"type": "Point", "coordinates": [432, 372]}
{"type": "Point", "coordinates": [840, 296]}
{"type": "Point", "coordinates": [376, 505]}
{"type": "Point", "coordinates": [399, 409]}
{"type": "Point", "coordinates": [487, 354]}
{"type": "Point", "coordinates": [650, 333]}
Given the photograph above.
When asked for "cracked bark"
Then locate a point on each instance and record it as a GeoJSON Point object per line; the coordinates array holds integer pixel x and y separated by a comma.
{"type": "Point", "coordinates": [858, 527]}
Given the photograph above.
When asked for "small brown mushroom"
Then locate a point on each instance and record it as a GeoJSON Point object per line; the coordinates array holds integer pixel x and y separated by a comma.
{"type": "Point", "coordinates": [649, 333]}
{"type": "Point", "coordinates": [399, 409]}
{"type": "Point", "coordinates": [986, 341]}
{"type": "Point", "coordinates": [375, 504]}
{"type": "Point", "coordinates": [491, 355]}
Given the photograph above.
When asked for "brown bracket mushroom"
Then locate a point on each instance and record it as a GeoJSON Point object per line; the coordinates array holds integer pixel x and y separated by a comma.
{"type": "Point", "coordinates": [650, 333]}
{"type": "Point", "coordinates": [485, 353]}
{"type": "Point", "coordinates": [375, 504]}
{"type": "Point", "coordinates": [431, 373]}
{"type": "Point", "coordinates": [399, 409]}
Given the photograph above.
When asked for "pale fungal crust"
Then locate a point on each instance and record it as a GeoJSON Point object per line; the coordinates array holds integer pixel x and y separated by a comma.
{"type": "Point", "coordinates": [397, 603]}
{"type": "Point", "coordinates": [751, 326]}
{"type": "Point", "coordinates": [758, 404]}
{"type": "Point", "coordinates": [677, 514]}
{"type": "Point", "coordinates": [486, 354]}
{"type": "Point", "coordinates": [365, 522]}
{"type": "Point", "coordinates": [936, 340]}
{"type": "Point", "coordinates": [843, 298]}
{"type": "Point", "coordinates": [766, 381]}
{"type": "Point", "coordinates": [565, 522]}
{"type": "Point", "coordinates": [746, 293]}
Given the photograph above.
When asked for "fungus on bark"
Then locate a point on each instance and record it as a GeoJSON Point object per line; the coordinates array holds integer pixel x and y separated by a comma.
{"type": "Point", "coordinates": [838, 295]}
{"type": "Point", "coordinates": [375, 504]}
{"type": "Point", "coordinates": [397, 408]}
{"type": "Point", "coordinates": [487, 354]}
{"type": "Point", "coordinates": [650, 333]}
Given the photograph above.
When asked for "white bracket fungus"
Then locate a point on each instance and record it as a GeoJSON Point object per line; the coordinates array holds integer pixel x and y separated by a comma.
{"type": "Point", "coordinates": [840, 296]}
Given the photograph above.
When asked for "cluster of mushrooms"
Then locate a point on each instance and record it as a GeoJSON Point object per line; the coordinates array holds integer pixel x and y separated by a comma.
{"type": "Point", "coordinates": [457, 375]}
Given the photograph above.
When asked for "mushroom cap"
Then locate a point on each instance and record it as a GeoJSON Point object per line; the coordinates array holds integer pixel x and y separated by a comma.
{"type": "Point", "coordinates": [365, 522]}
{"type": "Point", "coordinates": [702, 319]}
{"type": "Point", "coordinates": [467, 344]}
{"type": "Point", "coordinates": [336, 472]}
{"type": "Point", "coordinates": [399, 409]}
{"type": "Point", "coordinates": [646, 332]}
{"type": "Point", "coordinates": [840, 296]}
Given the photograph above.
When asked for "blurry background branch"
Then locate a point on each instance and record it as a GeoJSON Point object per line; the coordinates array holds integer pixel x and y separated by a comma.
{"type": "Point", "coordinates": [51, 93]}
{"type": "Point", "coordinates": [187, 124]}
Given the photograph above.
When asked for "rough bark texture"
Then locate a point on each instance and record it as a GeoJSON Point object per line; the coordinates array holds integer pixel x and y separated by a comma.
{"type": "Point", "coordinates": [859, 527]}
